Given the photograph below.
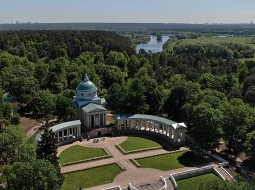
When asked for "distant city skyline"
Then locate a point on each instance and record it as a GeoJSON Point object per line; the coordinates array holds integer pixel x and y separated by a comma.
{"type": "Point", "coordinates": [128, 11]}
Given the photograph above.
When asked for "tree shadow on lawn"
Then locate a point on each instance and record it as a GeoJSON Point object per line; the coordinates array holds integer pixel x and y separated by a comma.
{"type": "Point", "coordinates": [191, 159]}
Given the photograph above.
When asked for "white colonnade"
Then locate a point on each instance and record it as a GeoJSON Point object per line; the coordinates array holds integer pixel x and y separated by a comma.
{"type": "Point", "coordinates": [176, 134]}
{"type": "Point", "coordinates": [66, 133]}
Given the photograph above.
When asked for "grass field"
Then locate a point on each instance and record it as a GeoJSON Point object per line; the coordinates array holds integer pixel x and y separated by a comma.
{"type": "Point", "coordinates": [76, 153]}
{"type": "Point", "coordinates": [136, 143]}
{"type": "Point", "coordinates": [207, 40]}
{"type": "Point", "coordinates": [172, 161]}
{"type": "Point", "coordinates": [212, 40]}
{"type": "Point", "coordinates": [194, 182]}
{"type": "Point", "coordinates": [91, 177]}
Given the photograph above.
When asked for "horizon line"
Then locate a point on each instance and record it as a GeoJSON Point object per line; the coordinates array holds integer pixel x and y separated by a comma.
{"type": "Point", "coordinates": [204, 23]}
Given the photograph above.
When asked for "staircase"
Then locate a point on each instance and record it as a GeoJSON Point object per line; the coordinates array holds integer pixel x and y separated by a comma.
{"type": "Point", "coordinates": [223, 172]}
{"type": "Point", "coordinates": [169, 184]}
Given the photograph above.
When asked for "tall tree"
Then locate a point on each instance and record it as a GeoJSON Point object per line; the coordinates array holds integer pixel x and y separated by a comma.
{"type": "Point", "coordinates": [47, 150]}
{"type": "Point", "coordinates": [34, 174]}
{"type": "Point", "coordinates": [64, 107]}
{"type": "Point", "coordinates": [227, 185]}
{"type": "Point", "coordinates": [236, 115]}
{"type": "Point", "coordinates": [15, 146]}
{"type": "Point", "coordinates": [249, 145]}
{"type": "Point", "coordinates": [43, 104]}
{"type": "Point", "coordinates": [206, 125]}
{"type": "Point", "coordinates": [47, 147]}
{"type": "Point", "coordinates": [182, 92]}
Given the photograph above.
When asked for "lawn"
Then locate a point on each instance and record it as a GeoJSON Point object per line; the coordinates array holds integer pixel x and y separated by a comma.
{"type": "Point", "coordinates": [194, 182]}
{"type": "Point", "coordinates": [207, 40]}
{"type": "Point", "coordinates": [172, 161]}
{"type": "Point", "coordinates": [76, 153]}
{"type": "Point", "coordinates": [91, 177]}
{"type": "Point", "coordinates": [137, 143]}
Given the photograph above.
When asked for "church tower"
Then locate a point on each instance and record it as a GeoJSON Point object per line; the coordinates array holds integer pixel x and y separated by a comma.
{"type": "Point", "coordinates": [90, 108]}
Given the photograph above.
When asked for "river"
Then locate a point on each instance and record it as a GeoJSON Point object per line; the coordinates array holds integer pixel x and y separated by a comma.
{"type": "Point", "coordinates": [153, 45]}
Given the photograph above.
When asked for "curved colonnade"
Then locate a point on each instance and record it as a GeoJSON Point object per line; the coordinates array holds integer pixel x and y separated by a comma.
{"type": "Point", "coordinates": [171, 129]}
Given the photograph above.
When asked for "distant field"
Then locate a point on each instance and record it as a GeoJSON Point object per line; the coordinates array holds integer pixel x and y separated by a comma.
{"type": "Point", "coordinates": [194, 182]}
{"type": "Point", "coordinates": [76, 153]}
{"type": "Point", "coordinates": [206, 40]}
{"type": "Point", "coordinates": [213, 40]}
{"type": "Point", "coordinates": [171, 161]}
{"type": "Point", "coordinates": [137, 143]}
{"type": "Point", "coordinates": [91, 177]}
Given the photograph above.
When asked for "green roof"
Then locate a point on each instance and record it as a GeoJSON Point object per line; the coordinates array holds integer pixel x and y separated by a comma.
{"type": "Point", "coordinates": [61, 126]}
{"type": "Point", "coordinates": [93, 108]}
{"type": "Point", "coordinates": [153, 118]}
{"type": "Point", "coordinates": [86, 85]}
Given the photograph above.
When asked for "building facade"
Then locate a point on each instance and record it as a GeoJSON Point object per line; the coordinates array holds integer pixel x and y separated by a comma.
{"type": "Point", "coordinates": [91, 109]}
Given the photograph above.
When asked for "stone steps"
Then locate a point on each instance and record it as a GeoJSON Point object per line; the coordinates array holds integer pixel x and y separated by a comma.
{"type": "Point", "coordinates": [224, 173]}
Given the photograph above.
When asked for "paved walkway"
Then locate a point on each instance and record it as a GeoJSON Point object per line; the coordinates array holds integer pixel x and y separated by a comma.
{"type": "Point", "coordinates": [118, 157]}
{"type": "Point", "coordinates": [133, 175]}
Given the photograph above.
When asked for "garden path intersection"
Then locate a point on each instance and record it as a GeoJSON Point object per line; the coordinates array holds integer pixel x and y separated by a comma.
{"type": "Point", "coordinates": [132, 174]}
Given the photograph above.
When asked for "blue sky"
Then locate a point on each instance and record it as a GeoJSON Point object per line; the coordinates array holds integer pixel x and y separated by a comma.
{"type": "Point", "coordinates": [166, 11]}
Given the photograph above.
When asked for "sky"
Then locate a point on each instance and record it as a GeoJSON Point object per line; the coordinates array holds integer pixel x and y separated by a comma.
{"type": "Point", "coordinates": [148, 11]}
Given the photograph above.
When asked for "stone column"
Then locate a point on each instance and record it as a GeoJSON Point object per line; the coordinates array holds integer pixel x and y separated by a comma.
{"type": "Point", "coordinates": [79, 130]}
{"type": "Point", "coordinates": [168, 128]}
{"type": "Point", "coordinates": [58, 135]}
{"type": "Point", "coordinates": [130, 123]}
{"type": "Point", "coordinates": [68, 132]}
{"type": "Point", "coordinates": [89, 121]}
{"type": "Point", "coordinates": [140, 125]}
{"type": "Point", "coordinates": [170, 133]}
{"type": "Point", "coordinates": [60, 138]}
{"type": "Point", "coordinates": [94, 120]}
{"type": "Point", "coordinates": [104, 119]}
{"type": "Point", "coordinates": [183, 135]}
{"type": "Point", "coordinates": [99, 117]}
{"type": "Point", "coordinates": [175, 139]}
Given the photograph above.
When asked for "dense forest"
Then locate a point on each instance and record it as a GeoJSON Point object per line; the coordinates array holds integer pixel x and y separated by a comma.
{"type": "Point", "coordinates": [208, 85]}
{"type": "Point", "coordinates": [217, 28]}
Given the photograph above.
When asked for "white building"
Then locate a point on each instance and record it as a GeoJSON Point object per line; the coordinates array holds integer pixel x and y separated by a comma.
{"type": "Point", "coordinates": [92, 120]}
{"type": "Point", "coordinates": [90, 108]}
